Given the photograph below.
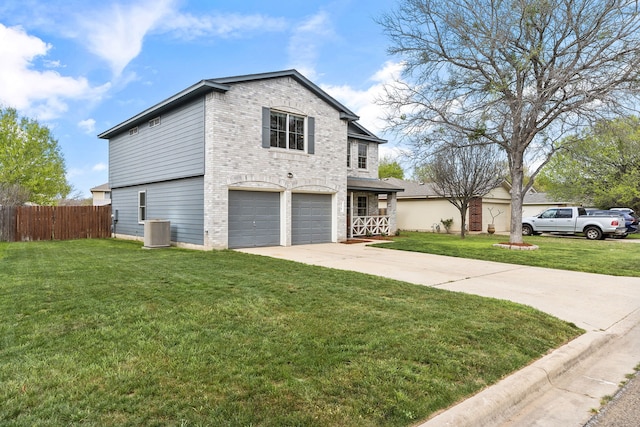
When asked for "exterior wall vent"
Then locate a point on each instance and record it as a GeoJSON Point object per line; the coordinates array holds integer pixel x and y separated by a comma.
{"type": "Point", "coordinates": [157, 233]}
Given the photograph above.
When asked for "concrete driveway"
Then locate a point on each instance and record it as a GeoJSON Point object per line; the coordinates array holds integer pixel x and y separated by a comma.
{"type": "Point", "coordinates": [559, 390]}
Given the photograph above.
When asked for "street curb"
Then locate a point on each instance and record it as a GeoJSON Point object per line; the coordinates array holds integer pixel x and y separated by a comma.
{"type": "Point", "coordinates": [498, 403]}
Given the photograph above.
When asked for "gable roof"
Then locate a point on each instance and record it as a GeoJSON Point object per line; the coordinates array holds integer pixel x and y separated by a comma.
{"type": "Point", "coordinates": [223, 85]}
{"type": "Point", "coordinates": [535, 198]}
{"type": "Point", "coordinates": [412, 189]}
{"type": "Point", "coordinates": [357, 131]}
{"type": "Point", "coordinates": [101, 187]}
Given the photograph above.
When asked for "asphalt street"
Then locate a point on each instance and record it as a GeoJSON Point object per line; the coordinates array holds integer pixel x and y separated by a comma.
{"type": "Point", "coordinates": [623, 410]}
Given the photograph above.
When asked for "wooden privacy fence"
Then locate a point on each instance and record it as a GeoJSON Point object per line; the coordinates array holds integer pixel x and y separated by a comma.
{"type": "Point", "coordinates": [23, 223]}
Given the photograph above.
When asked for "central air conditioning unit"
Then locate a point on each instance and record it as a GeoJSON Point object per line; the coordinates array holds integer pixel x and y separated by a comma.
{"type": "Point", "coordinates": [157, 233]}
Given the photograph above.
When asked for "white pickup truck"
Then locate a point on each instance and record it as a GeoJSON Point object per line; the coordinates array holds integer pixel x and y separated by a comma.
{"type": "Point", "coordinates": [571, 220]}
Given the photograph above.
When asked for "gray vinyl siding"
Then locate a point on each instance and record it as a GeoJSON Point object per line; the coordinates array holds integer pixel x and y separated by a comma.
{"type": "Point", "coordinates": [171, 150]}
{"type": "Point", "coordinates": [180, 201]}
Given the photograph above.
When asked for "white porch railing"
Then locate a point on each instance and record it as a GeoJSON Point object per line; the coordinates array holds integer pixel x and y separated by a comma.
{"type": "Point", "coordinates": [370, 226]}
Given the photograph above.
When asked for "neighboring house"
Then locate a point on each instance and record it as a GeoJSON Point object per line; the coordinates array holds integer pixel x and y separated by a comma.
{"type": "Point", "coordinates": [256, 160]}
{"type": "Point", "coordinates": [535, 203]}
{"type": "Point", "coordinates": [101, 195]}
{"type": "Point", "coordinates": [420, 208]}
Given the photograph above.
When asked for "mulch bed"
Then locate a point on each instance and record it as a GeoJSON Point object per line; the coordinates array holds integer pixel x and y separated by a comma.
{"type": "Point", "coordinates": [365, 240]}
{"type": "Point", "coordinates": [517, 246]}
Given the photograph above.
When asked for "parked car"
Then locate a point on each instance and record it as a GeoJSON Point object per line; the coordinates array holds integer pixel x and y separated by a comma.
{"type": "Point", "coordinates": [630, 222]}
{"type": "Point", "coordinates": [627, 210]}
{"type": "Point", "coordinates": [572, 220]}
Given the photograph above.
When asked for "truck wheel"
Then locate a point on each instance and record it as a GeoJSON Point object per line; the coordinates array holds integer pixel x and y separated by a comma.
{"type": "Point", "coordinates": [593, 233]}
{"type": "Point", "coordinates": [527, 230]}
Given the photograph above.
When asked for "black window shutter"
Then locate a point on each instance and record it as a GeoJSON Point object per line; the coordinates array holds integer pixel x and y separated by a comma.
{"type": "Point", "coordinates": [311, 132]}
{"type": "Point", "coordinates": [266, 127]}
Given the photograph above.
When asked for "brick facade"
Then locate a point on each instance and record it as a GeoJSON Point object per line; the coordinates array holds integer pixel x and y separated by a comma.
{"type": "Point", "coordinates": [235, 159]}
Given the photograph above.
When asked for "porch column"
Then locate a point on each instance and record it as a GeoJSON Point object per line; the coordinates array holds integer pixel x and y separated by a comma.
{"type": "Point", "coordinates": [392, 208]}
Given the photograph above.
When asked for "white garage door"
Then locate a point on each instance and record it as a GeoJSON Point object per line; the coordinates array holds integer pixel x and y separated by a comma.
{"type": "Point", "coordinates": [254, 219]}
{"type": "Point", "coordinates": [310, 218]}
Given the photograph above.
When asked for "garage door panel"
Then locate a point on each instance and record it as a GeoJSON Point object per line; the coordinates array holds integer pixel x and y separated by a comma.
{"type": "Point", "coordinates": [254, 219]}
{"type": "Point", "coordinates": [311, 218]}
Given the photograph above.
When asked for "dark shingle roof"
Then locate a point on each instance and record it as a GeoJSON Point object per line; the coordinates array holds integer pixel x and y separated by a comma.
{"type": "Point", "coordinates": [412, 189]}
{"type": "Point", "coordinates": [371, 184]}
{"type": "Point", "coordinates": [223, 85]}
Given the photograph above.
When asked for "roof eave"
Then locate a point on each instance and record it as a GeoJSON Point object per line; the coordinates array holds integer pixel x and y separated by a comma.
{"type": "Point", "coordinates": [366, 138]}
{"type": "Point", "coordinates": [345, 113]}
{"type": "Point", "coordinates": [198, 89]}
{"type": "Point", "coordinates": [375, 189]}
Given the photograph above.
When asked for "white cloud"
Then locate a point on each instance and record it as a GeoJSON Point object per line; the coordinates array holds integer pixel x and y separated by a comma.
{"type": "Point", "coordinates": [364, 102]}
{"type": "Point", "coordinates": [116, 33]}
{"type": "Point", "coordinates": [100, 167]}
{"type": "Point", "coordinates": [43, 94]}
{"type": "Point", "coordinates": [74, 172]}
{"type": "Point", "coordinates": [189, 27]}
{"type": "Point", "coordinates": [88, 126]}
{"type": "Point", "coordinates": [306, 41]}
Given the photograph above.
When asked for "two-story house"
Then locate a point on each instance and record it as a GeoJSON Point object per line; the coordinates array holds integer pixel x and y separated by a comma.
{"type": "Point", "coordinates": [256, 160]}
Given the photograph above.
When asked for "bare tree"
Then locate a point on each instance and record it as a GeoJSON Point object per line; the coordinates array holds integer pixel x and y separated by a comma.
{"type": "Point", "coordinates": [462, 173]}
{"type": "Point", "coordinates": [521, 74]}
{"type": "Point", "coordinates": [13, 195]}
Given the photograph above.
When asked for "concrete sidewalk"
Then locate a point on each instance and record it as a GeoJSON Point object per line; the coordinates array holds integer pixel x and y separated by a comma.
{"type": "Point", "coordinates": [558, 390]}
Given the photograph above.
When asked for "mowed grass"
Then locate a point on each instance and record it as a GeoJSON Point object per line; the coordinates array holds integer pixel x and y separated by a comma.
{"type": "Point", "coordinates": [611, 256]}
{"type": "Point", "coordinates": [104, 333]}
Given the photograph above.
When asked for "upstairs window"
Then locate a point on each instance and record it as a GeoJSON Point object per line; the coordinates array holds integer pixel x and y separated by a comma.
{"type": "Point", "coordinates": [348, 154]}
{"type": "Point", "coordinates": [362, 156]}
{"type": "Point", "coordinates": [154, 122]}
{"type": "Point", "coordinates": [286, 131]}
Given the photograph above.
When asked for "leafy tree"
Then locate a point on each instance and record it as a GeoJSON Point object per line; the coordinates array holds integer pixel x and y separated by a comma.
{"type": "Point", "coordinates": [390, 168]}
{"type": "Point", "coordinates": [30, 158]}
{"type": "Point", "coordinates": [462, 173]}
{"type": "Point", "coordinates": [600, 167]}
{"type": "Point", "coordinates": [521, 74]}
{"type": "Point", "coordinates": [422, 173]}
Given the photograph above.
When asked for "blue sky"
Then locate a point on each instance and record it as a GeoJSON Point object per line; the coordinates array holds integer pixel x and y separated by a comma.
{"type": "Point", "coordinates": [83, 66]}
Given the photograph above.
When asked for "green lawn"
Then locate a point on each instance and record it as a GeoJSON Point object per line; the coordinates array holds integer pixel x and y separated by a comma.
{"type": "Point", "coordinates": [104, 333]}
{"type": "Point", "coordinates": [611, 256]}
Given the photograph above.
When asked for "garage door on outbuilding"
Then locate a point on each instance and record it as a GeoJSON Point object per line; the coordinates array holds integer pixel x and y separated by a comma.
{"type": "Point", "coordinates": [254, 219]}
{"type": "Point", "coordinates": [310, 218]}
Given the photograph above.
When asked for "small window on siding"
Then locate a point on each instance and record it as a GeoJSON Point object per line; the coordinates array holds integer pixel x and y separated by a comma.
{"type": "Point", "coordinates": [142, 206]}
{"type": "Point", "coordinates": [133, 131]}
{"type": "Point", "coordinates": [154, 122]}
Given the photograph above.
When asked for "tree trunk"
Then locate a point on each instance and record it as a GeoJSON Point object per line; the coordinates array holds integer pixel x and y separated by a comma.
{"type": "Point", "coordinates": [463, 219]}
{"type": "Point", "coordinates": [517, 178]}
